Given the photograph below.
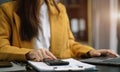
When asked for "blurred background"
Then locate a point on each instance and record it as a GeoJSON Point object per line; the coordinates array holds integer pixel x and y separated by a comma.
{"type": "Point", "coordinates": [94, 22]}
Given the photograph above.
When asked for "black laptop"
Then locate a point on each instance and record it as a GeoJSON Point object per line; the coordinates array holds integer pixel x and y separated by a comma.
{"type": "Point", "coordinates": [103, 61]}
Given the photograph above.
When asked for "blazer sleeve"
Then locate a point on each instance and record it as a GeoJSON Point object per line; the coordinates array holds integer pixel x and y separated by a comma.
{"type": "Point", "coordinates": [79, 50]}
{"type": "Point", "coordinates": [7, 51]}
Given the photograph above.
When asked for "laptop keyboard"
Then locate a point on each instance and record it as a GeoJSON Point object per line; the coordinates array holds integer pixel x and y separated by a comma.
{"type": "Point", "coordinates": [103, 61]}
{"type": "Point", "coordinates": [115, 60]}
{"type": "Point", "coordinates": [96, 59]}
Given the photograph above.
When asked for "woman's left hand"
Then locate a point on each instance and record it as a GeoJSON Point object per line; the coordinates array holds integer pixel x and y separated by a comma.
{"type": "Point", "coordinates": [103, 52]}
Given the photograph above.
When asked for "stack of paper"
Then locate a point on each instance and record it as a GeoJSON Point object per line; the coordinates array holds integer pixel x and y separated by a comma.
{"type": "Point", "coordinates": [74, 65]}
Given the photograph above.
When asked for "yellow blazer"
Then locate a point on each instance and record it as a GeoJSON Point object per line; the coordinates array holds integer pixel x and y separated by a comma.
{"type": "Point", "coordinates": [62, 43]}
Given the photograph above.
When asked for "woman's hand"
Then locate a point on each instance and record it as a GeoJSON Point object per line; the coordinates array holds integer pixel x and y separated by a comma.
{"type": "Point", "coordinates": [102, 52]}
{"type": "Point", "coordinates": [39, 55]}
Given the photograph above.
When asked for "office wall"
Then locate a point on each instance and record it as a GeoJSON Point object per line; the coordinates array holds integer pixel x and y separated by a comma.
{"type": "Point", "coordinates": [104, 24]}
{"type": "Point", "coordinates": [113, 24]}
{"type": "Point", "coordinates": [118, 27]}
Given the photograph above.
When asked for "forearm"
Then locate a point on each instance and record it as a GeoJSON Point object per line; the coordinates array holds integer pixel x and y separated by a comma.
{"type": "Point", "coordinates": [13, 53]}
{"type": "Point", "coordinates": [80, 50]}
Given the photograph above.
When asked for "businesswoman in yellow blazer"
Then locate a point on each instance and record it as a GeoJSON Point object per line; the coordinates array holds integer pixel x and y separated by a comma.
{"type": "Point", "coordinates": [38, 29]}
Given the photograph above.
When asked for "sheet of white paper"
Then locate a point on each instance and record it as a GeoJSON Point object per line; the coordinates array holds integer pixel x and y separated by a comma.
{"type": "Point", "coordinates": [73, 65]}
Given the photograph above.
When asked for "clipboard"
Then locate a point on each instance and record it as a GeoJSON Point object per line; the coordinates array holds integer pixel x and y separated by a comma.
{"type": "Point", "coordinates": [74, 65]}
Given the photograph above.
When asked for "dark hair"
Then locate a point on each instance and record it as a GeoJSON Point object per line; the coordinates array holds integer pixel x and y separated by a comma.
{"type": "Point", "coordinates": [28, 11]}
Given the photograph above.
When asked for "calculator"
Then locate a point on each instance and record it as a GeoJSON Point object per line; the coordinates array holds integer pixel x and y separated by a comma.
{"type": "Point", "coordinates": [56, 62]}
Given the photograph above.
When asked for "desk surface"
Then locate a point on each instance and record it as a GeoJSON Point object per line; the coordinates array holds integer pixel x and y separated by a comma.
{"type": "Point", "coordinates": [100, 68]}
{"type": "Point", "coordinates": [14, 68]}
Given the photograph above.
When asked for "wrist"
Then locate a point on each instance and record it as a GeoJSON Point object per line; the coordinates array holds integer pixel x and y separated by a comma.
{"type": "Point", "coordinates": [27, 56]}
{"type": "Point", "coordinates": [89, 54]}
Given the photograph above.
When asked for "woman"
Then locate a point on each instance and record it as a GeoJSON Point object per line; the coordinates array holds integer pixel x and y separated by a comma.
{"type": "Point", "coordinates": [38, 29]}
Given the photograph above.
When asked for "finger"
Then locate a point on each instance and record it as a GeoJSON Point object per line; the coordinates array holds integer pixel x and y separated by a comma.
{"type": "Point", "coordinates": [50, 54]}
{"type": "Point", "coordinates": [111, 53]}
{"type": "Point", "coordinates": [97, 54]}
{"type": "Point", "coordinates": [44, 54]}
{"type": "Point", "coordinates": [40, 54]}
{"type": "Point", "coordinates": [37, 58]}
{"type": "Point", "coordinates": [108, 53]}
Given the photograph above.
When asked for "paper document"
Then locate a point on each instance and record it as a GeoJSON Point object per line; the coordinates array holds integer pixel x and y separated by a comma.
{"type": "Point", "coordinates": [74, 65]}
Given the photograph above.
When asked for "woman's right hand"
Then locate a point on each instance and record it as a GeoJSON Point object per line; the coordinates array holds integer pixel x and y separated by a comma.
{"type": "Point", "coordinates": [39, 54]}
